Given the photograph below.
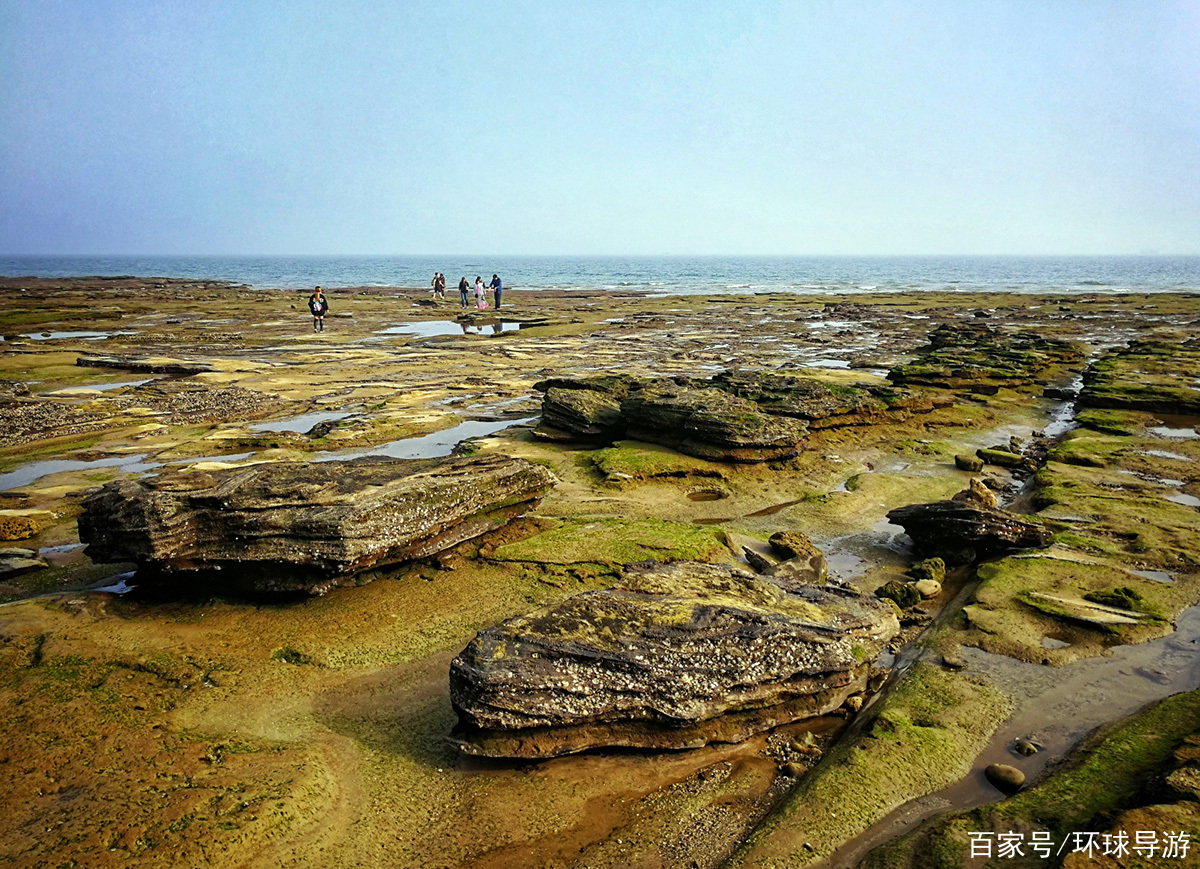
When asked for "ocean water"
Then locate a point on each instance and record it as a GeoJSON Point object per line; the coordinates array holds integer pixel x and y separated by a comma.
{"type": "Point", "coordinates": [661, 274]}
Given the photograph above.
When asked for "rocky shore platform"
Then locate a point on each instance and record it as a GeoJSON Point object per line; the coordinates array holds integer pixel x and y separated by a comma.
{"type": "Point", "coordinates": [609, 579]}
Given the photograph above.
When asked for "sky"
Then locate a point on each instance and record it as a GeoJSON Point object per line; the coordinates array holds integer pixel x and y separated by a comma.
{"type": "Point", "coordinates": [295, 127]}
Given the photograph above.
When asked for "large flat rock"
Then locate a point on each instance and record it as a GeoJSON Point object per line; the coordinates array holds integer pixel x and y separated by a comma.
{"type": "Point", "coordinates": [960, 532]}
{"type": "Point", "coordinates": [301, 526]}
{"type": "Point", "coordinates": [675, 656]}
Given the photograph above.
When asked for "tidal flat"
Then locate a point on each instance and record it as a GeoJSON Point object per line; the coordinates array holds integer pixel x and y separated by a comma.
{"type": "Point", "coordinates": [203, 726]}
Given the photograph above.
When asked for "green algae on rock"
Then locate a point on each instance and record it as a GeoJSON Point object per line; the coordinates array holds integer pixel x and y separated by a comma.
{"type": "Point", "coordinates": [613, 542]}
{"type": "Point", "coordinates": [675, 656]}
{"type": "Point", "coordinates": [924, 737]}
{"type": "Point", "coordinates": [1108, 772]}
{"type": "Point", "coordinates": [963, 355]}
{"type": "Point", "coordinates": [1146, 375]}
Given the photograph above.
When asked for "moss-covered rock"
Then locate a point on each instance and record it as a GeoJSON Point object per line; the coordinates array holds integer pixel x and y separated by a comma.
{"type": "Point", "coordinates": [610, 541]}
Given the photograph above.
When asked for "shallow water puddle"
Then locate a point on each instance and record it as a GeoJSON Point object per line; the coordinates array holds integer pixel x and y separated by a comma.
{"type": "Point", "coordinates": [439, 443]}
{"type": "Point", "coordinates": [1165, 454]}
{"type": "Point", "coordinates": [1184, 499]}
{"type": "Point", "coordinates": [26, 474]}
{"type": "Point", "coordinates": [437, 328]}
{"type": "Point", "coordinates": [301, 423]}
{"type": "Point", "coordinates": [100, 387]}
{"type": "Point", "coordinates": [82, 335]}
{"type": "Point", "coordinates": [1155, 575]}
{"type": "Point", "coordinates": [1056, 708]}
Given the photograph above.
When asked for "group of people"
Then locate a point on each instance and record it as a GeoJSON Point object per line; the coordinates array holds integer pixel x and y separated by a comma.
{"type": "Point", "coordinates": [318, 305]}
{"type": "Point", "coordinates": [464, 289]}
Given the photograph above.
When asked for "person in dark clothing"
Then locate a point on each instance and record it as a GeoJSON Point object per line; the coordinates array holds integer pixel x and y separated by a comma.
{"type": "Point", "coordinates": [497, 287]}
{"type": "Point", "coordinates": [319, 305]}
{"type": "Point", "coordinates": [463, 289]}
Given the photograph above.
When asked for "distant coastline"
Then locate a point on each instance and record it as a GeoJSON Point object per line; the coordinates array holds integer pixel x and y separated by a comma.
{"type": "Point", "coordinates": [670, 275]}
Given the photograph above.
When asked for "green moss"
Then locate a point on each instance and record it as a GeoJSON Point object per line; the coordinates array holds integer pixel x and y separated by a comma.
{"type": "Point", "coordinates": [288, 655]}
{"type": "Point", "coordinates": [632, 459]}
{"type": "Point", "coordinates": [1114, 422]}
{"type": "Point", "coordinates": [925, 736]}
{"type": "Point", "coordinates": [618, 541]}
{"type": "Point", "coordinates": [1103, 775]}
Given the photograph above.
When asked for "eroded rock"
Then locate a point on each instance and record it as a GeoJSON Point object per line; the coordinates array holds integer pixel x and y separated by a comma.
{"type": "Point", "coordinates": [960, 532]}
{"type": "Point", "coordinates": [676, 656]}
{"type": "Point", "coordinates": [300, 526]}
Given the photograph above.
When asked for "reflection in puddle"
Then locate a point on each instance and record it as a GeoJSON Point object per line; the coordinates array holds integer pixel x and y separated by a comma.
{"type": "Point", "coordinates": [101, 387]}
{"type": "Point", "coordinates": [1156, 575]}
{"type": "Point", "coordinates": [440, 443]}
{"type": "Point", "coordinates": [1164, 431]}
{"type": "Point", "coordinates": [1164, 454]}
{"type": "Point", "coordinates": [436, 328]}
{"type": "Point", "coordinates": [27, 474]}
{"type": "Point", "coordinates": [82, 335]}
{"type": "Point", "coordinates": [300, 423]}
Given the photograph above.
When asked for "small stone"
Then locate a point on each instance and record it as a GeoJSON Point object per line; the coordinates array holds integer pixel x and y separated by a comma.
{"type": "Point", "coordinates": [974, 464]}
{"type": "Point", "coordinates": [793, 544]}
{"type": "Point", "coordinates": [929, 568]}
{"type": "Point", "coordinates": [1024, 747]}
{"type": "Point", "coordinates": [1005, 778]}
{"type": "Point", "coordinates": [928, 588]}
{"type": "Point", "coordinates": [855, 703]}
{"type": "Point", "coordinates": [904, 595]}
{"type": "Point", "coordinates": [793, 770]}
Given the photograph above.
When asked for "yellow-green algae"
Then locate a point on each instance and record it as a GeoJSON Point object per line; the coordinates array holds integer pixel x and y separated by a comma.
{"type": "Point", "coordinates": [618, 541]}
{"type": "Point", "coordinates": [925, 737]}
{"type": "Point", "coordinates": [1102, 775]}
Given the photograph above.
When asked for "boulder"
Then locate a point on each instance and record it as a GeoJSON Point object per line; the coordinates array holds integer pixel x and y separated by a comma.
{"type": "Point", "coordinates": [676, 656]}
{"type": "Point", "coordinates": [793, 544]}
{"type": "Point", "coordinates": [21, 524]}
{"type": "Point", "coordinates": [584, 413]}
{"type": "Point", "coordinates": [974, 464]}
{"type": "Point", "coordinates": [979, 493]}
{"type": "Point", "coordinates": [302, 526]}
{"type": "Point", "coordinates": [710, 424]}
{"type": "Point", "coordinates": [929, 568]}
{"type": "Point", "coordinates": [960, 532]}
{"type": "Point", "coordinates": [903, 594]}
{"type": "Point", "coordinates": [15, 561]}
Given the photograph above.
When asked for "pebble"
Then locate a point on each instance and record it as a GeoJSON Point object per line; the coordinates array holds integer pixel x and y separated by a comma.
{"type": "Point", "coordinates": [1025, 747]}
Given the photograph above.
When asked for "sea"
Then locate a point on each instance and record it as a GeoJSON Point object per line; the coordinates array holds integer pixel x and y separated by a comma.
{"type": "Point", "coordinates": [667, 275]}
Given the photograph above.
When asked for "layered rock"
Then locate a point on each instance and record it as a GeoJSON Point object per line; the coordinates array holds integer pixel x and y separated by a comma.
{"type": "Point", "coordinates": [739, 416]}
{"type": "Point", "coordinates": [824, 406]}
{"type": "Point", "coordinates": [585, 413]}
{"type": "Point", "coordinates": [676, 656]}
{"type": "Point", "coordinates": [710, 424]}
{"type": "Point", "coordinates": [300, 526]}
{"type": "Point", "coordinates": [983, 359]}
{"type": "Point", "coordinates": [962, 531]}
{"type": "Point", "coordinates": [1152, 376]}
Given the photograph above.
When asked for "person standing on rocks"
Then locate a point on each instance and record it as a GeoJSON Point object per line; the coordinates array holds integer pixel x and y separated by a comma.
{"type": "Point", "coordinates": [463, 288]}
{"type": "Point", "coordinates": [319, 305]}
{"type": "Point", "coordinates": [497, 287]}
{"type": "Point", "coordinates": [480, 301]}
{"type": "Point", "coordinates": [439, 285]}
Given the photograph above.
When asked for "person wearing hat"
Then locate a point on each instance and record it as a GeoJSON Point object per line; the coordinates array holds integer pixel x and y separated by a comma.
{"type": "Point", "coordinates": [319, 305]}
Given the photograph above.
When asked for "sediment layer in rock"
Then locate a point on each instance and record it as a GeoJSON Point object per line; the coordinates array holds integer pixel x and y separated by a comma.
{"type": "Point", "coordinates": [297, 526]}
{"type": "Point", "coordinates": [676, 656]}
{"type": "Point", "coordinates": [971, 356]}
{"type": "Point", "coordinates": [1154, 376]}
{"type": "Point", "coordinates": [960, 532]}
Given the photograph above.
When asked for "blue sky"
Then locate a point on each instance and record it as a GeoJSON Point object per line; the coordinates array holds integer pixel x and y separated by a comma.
{"type": "Point", "coordinates": [299, 127]}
